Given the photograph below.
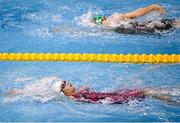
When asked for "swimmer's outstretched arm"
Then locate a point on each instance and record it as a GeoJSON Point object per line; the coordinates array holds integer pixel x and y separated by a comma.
{"type": "Point", "coordinates": [142, 11]}
{"type": "Point", "coordinates": [13, 92]}
{"type": "Point", "coordinates": [61, 29]}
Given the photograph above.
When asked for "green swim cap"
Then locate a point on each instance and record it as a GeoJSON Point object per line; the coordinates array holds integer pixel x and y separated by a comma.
{"type": "Point", "coordinates": [98, 19]}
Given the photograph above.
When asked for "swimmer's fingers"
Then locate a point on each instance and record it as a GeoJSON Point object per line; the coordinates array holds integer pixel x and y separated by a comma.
{"type": "Point", "coordinates": [159, 9]}
{"type": "Point", "coordinates": [162, 10]}
{"type": "Point", "coordinates": [55, 30]}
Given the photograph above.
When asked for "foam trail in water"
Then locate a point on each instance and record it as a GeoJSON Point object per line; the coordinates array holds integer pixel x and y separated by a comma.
{"type": "Point", "coordinates": [41, 32]}
{"type": "Point", "coordinates": [42, 90]}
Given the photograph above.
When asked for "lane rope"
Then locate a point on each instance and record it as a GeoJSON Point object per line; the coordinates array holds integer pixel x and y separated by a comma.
{"type": "Point", "coordinates": [76, 57]}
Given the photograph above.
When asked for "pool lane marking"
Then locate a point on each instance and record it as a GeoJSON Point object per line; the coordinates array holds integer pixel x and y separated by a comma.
{"type": "Point", "coordinates": [76, 57]}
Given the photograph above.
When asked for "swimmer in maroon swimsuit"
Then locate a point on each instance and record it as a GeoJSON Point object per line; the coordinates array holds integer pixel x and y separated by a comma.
{"type": "Point", "coordinates": [117, 97]}
{"type": "Point", "coordinates": [52, 89]}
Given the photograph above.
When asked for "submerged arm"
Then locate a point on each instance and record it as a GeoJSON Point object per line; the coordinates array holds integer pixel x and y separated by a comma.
{"type": "Point", "coordinates": [13, 92]}
{"type": "Point", "coordinates": [142, 11]}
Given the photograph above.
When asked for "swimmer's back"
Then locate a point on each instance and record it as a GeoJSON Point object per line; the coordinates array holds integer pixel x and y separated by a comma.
{"type": "Point", "coordinates": [117, 97]}
{"type": "Point", "coordinates": [135, 27]}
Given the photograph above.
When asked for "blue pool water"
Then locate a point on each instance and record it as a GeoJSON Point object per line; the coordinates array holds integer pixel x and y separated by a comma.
{"type": "Point", "coordinates": [26, 26]}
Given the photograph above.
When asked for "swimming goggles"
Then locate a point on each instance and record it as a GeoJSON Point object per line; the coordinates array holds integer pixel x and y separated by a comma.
{"type": "Point", "coordinates": [63, 85]}
{"type": "Point", "coordinates": [99, 19]}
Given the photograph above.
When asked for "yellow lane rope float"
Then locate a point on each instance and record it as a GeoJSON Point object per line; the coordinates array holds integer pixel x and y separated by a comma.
{"type": "Point", "coordinates": [76, 57]}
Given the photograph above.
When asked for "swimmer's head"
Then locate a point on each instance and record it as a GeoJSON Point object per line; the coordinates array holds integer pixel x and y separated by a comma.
{"type": "Point", "coordinates": [99, 19]}
{"type": "Point", "coordinates": [67, 88]}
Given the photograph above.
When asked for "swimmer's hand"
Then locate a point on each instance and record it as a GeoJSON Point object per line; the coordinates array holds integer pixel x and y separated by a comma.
{"type": "Point", "coordinates": [158, 8]}
{"type": "Point", "coordinates": [71, 97]}
{"type": "Point", "coordinates": [61, 29]}
{"type": "Point", "coordinates": [13, 92]}
{"type": "Point", "coordinates": [56, 30]}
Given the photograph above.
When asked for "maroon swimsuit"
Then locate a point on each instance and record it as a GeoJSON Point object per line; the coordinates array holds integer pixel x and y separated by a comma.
{"type": "Point", "coordinates": [118, 97]}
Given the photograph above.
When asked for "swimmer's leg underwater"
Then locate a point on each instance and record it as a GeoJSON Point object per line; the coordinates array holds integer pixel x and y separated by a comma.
{"type": "Point", "coordinates": [158, 93]}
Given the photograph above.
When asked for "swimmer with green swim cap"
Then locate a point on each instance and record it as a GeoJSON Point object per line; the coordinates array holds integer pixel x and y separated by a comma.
{"type": "Point", "coordinates": [116, 21]}
{"type": "Point", "coordinates": [99, 19]}
{"type": "Point", "coordinates": [107, 21]}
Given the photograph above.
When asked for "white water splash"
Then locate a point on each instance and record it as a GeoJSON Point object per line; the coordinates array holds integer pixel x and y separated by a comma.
{"type": "Point", "coordinates": [41, 90]}
{"type": "Point", "coordinates": [23, 79]}
{"type": "Point", "coordinates": [43, 17]}
{"type": "Point", "coordinates": [86, 19]}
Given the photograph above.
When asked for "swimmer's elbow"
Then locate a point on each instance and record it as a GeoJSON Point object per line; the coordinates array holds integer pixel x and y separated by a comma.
{"type": "Point", "coordinates": [131, 16]}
